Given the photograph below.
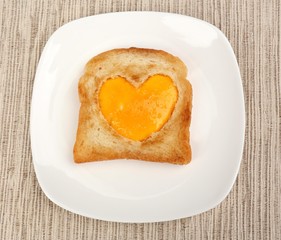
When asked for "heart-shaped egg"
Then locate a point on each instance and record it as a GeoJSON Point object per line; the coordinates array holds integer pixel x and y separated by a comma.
{"type": "Point", "coordinates": [137, 112]}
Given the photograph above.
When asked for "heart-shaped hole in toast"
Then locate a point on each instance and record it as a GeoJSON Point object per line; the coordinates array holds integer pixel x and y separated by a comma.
{"type": "Point", "coordinates": [136, 113]}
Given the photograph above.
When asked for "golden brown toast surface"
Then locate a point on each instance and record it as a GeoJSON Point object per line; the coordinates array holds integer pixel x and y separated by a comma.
{"type": "Point", "coordinates": [97, 140]}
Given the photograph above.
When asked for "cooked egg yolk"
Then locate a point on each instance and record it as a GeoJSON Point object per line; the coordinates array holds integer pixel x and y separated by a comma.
{"type": "Point", "coordinates": [136, 113]}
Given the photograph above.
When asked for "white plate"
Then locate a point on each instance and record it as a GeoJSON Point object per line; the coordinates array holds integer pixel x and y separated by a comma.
{"type": "Point", "coordinates": [137, 191]}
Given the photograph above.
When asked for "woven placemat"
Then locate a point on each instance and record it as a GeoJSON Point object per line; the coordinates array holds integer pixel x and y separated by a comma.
{"type": "Point", "coordinates": [253, 208]}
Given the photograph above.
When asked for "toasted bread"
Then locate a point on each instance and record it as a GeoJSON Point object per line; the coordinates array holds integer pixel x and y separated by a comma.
{"type": "Point", "coordinates": [97, 140]}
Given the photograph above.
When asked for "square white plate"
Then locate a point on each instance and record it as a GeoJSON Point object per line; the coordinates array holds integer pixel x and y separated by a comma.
{"type": "Point", "coordinates": [137, 191]}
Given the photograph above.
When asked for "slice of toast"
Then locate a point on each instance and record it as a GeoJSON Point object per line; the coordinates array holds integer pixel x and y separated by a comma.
{"type": "Point", "coordinates": [97, 140]}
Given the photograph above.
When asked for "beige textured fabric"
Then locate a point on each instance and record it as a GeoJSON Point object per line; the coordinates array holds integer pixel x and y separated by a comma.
{"type": "Point", "coordinates": [253, 208]}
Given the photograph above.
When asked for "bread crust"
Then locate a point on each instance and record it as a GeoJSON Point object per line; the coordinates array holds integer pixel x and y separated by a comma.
{"type": "Point", "coordinates": [97, 140]}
